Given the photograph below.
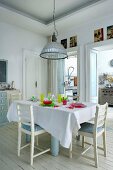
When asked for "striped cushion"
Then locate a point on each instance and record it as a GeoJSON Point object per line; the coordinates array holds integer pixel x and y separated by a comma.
{"type": "Point", "coordinates": [36, 127]}
{"type": "Point", "coordinates": [88, 127]}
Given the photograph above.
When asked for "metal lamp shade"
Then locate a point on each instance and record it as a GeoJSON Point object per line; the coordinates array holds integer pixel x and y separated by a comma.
{"type": "Point", "coordinates": [54, 51]}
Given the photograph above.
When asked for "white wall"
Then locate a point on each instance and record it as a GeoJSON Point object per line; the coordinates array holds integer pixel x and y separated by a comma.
{"type": "Point", "coordinates": [85, 31]}
{"type": "Point", "coordinates": [12, 40]}
{"type": "Point", "coordinates": [104, 59]}
{"type": "Point", "coordinates": [85, 35]}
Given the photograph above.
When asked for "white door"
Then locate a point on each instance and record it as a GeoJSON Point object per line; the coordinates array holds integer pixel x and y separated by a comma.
{"type": "Point", "coordinates": [35, 75]}
{"type": "Point", "coordinates": [29, 74]}
{"type": "Point", "coordinates": [31, 80]}
{"type": "Point", "coordinates": [91, 76]}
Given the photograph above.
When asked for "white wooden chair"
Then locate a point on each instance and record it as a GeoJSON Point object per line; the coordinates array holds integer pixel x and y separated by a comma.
{"type": "Point", "coordinates": [27, 126]}
{"type": "Point", "coordinates": [94, 131]}
{"type": "Point", "coordinates": [15, 96]}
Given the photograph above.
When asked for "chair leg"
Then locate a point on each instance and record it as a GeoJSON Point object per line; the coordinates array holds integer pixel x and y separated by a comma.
{"type": "Point", "coordinates": [83, 140]}
{"type": "Point", "coordinates": [70, 150]}
{"type": "Point", "coordinates": [19, 141]}
{"type": "Point", "coordinates": [95, 151]}
{"type": "Point", "coordinates": [36, 140]}
{"type": "Point", "coordinates": [32, 148]}
{"type": "Point", "coordinates": [78, 137]}
{"type": "Point", "coordinates": [104, 143]}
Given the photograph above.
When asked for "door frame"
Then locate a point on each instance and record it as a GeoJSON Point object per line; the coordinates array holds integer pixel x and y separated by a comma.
{"type": "Point", "coordinates": [88, 74]}
{"type": "Point", "coordinates": [88, 48]}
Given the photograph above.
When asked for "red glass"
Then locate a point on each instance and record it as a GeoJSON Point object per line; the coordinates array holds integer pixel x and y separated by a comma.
{"type": "Point", "coordinates": [64, 102]}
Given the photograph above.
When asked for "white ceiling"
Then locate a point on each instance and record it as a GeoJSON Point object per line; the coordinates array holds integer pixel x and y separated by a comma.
{"type": "Point", "coordinates": [36, 15]}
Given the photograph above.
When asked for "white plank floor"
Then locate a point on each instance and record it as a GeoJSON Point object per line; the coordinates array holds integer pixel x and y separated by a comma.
{"type": "Point", "coordinates": [10, 161]}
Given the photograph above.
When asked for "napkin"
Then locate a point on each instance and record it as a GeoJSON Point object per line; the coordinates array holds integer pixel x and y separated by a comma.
{"type": "Point", "coordinates": [76, 105]}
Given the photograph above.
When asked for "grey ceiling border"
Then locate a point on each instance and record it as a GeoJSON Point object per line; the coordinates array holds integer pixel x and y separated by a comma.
{"type": "Point", "coordinates": [22, 13]}
{"type": "Point", "coordinates": [75, 10]}
{"type": "Point", "coordinates": [78, 9]}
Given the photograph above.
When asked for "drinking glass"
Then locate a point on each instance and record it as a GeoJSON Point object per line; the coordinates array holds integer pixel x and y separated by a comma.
{"type": "Point", "coordinates": [59, 98]}
{"type": "Point", "coordinates": [42, 97]}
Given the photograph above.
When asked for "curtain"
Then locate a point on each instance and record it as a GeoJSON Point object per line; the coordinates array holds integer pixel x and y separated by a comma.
{"type": "Point", "coordinates": [56, 76]}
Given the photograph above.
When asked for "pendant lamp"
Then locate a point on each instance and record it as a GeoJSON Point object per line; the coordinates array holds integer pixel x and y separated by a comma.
{"type": "Point", "coordinates": [54, 50]}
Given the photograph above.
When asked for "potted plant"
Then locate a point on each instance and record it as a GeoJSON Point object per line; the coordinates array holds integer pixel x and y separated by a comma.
{"type": "Point", "coordinates": [64, 100]}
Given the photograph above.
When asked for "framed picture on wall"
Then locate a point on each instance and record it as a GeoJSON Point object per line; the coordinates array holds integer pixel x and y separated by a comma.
{"type": "Point", "coordinates": [64, 43]}
{"type": "Point", "coordinates": [98, 35]}
{"type": "Point", "coordinates": [110, 32]}
{"type": "Point", "coordinates": [73, 41]}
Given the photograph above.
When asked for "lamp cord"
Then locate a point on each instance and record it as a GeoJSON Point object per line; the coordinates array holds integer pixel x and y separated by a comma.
{"type": "Point", "coordinates": [54, 20]}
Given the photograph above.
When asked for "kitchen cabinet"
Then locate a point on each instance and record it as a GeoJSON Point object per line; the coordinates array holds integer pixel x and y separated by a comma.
{"type": "Point", "coordinates": [106, 95]}
{"type": "Point", "coordinates": [3, 107]}
{"type": "Point", "coordinates": [4, 104]}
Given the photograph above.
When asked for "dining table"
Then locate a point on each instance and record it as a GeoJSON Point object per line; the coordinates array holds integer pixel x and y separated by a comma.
{"type": "Point", "coordinates": [60, 121]}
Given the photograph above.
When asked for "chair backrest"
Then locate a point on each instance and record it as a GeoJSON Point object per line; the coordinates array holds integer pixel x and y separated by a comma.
{"type": "Point", "coordinates": [25, 114]}
{"type": "Point", "coordinates": [15, 96]}
{"type": "Point", "coordinates": [76, 97]}
{"type": "Point", "coordinates": [100, 116]}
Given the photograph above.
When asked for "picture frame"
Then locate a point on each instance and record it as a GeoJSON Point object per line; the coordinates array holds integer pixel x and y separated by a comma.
{"type": "Point", "coordinates": [110, 32]}
{"type": "Point", "coordinates": [98, 35]}
{"type": "Point", "coordinates": [73, 41]}
{"type": "Point", "coordinates": [64, 43]}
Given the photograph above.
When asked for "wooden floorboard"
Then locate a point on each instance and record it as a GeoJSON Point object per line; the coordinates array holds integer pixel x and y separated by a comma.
{"type": "Point", "coordinates": [10, 161]}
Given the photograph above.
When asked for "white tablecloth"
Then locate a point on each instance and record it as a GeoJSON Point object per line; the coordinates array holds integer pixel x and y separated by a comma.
{"type": "Point", "coordinates": [59, 121]}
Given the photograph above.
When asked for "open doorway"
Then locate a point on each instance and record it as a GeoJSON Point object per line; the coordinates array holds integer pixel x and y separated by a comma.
{"type": "Point", "coordinates": [102, 84]}
{"type": "Point", "coordinates": [105, 77]}
{"type": "Point", "coordinates": [93, 62]}
{"type": "Point", "coordinates": [70, 74]}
